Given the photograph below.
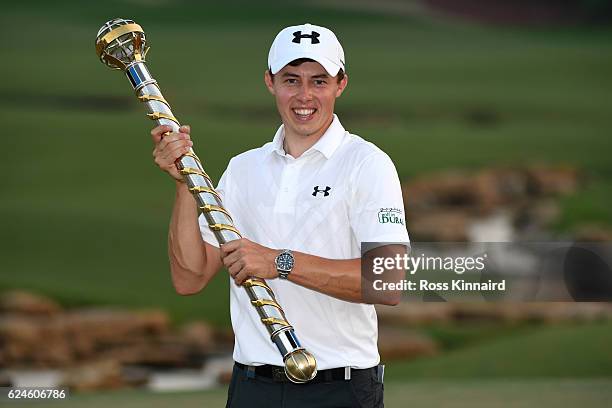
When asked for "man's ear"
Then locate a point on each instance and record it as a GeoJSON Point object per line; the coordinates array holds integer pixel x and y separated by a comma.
{"type": "Point", "coordinates": [342, 85]}
{"type": "Point", "coordinates": [269, 81]}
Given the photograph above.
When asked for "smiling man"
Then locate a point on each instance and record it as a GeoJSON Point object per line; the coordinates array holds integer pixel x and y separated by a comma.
{"type": "Point", "coordinates": [303, 202]}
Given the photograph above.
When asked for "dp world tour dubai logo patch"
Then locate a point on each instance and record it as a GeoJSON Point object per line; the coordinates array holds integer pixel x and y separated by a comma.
{"type": "Point", "coordinates": [391, 216]}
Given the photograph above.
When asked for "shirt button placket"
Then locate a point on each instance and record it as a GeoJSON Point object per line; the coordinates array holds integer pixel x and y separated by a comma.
{"type": "Point", "coordinates": [284, 202]}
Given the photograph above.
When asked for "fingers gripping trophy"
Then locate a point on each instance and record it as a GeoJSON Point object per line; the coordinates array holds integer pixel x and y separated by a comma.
{"type": "Point", "coordinates": [121, 44]}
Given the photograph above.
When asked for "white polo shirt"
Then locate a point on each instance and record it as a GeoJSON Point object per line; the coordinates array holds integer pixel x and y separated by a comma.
{"type": "Point", "coordinates": [325, 203]}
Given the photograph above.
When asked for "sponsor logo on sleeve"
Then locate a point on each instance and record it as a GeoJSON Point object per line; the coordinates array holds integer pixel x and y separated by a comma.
{"type": "Point", "coordinates": [391, 216]}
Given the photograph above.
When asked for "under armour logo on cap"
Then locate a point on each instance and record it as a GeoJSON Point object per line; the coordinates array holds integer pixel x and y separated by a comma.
{"type": "Point", "coordinates": [325, 191]}
{"type": "Point", "coordinates": [314, 37]}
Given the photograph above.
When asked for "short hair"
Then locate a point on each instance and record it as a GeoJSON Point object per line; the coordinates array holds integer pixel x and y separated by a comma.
{"type": "Point", "coordinates": [300, 61]}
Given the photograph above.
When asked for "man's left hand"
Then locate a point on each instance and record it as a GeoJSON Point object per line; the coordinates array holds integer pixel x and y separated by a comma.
{"type": "Point", "coordinates": [245, 259]}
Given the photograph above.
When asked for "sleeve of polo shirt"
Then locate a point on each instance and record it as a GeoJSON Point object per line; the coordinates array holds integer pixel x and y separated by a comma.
{"type": "Point", "coordinates": [207, 234]}
{"type": "Point", "coordinates": [377, 208]}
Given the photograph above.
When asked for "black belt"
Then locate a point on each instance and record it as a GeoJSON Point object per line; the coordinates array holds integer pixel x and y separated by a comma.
{"type": "Point", "coordinates": [277, 373]}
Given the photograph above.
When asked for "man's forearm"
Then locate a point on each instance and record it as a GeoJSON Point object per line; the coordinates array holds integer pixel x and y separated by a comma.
{"type": "Point", "coordinates": [340, 278]}
{"type": "Point", "coordinates": [186, 248]}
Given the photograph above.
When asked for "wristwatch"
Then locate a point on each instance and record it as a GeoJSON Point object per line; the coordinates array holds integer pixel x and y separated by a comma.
{"type": "Point", "coordinates": [284, 263]}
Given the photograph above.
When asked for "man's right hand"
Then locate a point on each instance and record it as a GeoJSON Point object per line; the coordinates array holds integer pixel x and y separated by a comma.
{"type": "Point", "coordinates": [169, 146]}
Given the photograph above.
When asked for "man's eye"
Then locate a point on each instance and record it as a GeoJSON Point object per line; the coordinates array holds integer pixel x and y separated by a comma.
{"type": "Point", "coordinates": [291, 81]}
{"type": "Point", "coordinates": [319, 82]}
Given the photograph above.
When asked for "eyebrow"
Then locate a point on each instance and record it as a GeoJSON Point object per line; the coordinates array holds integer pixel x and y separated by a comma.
{"type": "Point", "coordinates": [292, 75]}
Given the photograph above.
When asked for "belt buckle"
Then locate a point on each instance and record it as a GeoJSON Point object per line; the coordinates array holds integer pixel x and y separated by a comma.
{"type": "Point", "coordinates": [278, 374]}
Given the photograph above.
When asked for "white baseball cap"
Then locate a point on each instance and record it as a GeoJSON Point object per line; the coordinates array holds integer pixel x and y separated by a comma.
{"type": "Point", "coordinates": [306, 41]}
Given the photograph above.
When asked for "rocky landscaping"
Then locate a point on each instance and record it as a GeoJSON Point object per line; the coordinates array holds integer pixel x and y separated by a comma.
{"type": "Point", "coordinates": [98, 347]}
{"type": "Point", "coordinates": [94, 348]}
{"type": "Point", "coordinates": [493, 204]}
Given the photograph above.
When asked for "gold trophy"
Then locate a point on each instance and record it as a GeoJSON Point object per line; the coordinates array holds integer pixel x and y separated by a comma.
{"type": "Point", "coordinates": [121, 44]}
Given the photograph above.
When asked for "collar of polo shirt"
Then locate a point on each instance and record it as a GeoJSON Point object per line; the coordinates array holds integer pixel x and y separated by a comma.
{"type": "Point", "coordinates": [327, 144]}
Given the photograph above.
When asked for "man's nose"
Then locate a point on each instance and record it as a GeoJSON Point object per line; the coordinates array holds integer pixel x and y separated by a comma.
{"type": "Point", "coordinates": [305, 92]}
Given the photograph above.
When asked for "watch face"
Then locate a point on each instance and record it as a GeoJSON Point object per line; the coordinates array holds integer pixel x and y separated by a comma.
{"type": "Point", "coordinates": [284, 262]}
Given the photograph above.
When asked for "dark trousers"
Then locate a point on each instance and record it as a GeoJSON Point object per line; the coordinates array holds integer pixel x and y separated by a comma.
{"type": "Point", "coordinates": [363, 390]}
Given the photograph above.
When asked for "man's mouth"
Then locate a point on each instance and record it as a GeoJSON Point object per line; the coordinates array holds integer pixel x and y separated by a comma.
{"type": "Point", "coordinates": [304, 113]}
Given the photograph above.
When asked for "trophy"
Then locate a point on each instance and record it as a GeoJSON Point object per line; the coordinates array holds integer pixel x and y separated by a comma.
{"type": "Point", "coordinates": [121, 44]}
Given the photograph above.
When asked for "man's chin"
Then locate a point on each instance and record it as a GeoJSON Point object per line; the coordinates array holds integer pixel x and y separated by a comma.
{"type": "Point", "coordinates": [309, 132]}
{"type": "Point", "coordinates": [303, 129]}
{"type": "Point", "coordinates": [308, 129]}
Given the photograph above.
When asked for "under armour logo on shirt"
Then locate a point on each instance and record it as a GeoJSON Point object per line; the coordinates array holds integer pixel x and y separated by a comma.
{"type": "Point", "coordinates": [325, 191]}
{"type": "Point", "coordinates": [314, 37]}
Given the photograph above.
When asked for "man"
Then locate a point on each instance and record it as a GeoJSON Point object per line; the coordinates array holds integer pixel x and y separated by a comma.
{"type": "Point", "coordinates": [313, 194]}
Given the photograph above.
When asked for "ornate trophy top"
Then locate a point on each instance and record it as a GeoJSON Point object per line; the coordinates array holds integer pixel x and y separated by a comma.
{"type": "Point", "coordinates": [121, 42]}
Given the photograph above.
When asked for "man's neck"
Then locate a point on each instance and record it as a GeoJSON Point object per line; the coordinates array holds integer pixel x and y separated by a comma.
{"type": "Point", "coordinates": [295, 145]}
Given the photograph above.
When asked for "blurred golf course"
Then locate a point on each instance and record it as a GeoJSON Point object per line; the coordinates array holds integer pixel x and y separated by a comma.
{"type": "Point", "coordinates": [85, 211]}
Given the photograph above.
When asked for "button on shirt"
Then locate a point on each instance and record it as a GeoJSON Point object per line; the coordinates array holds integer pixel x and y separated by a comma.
{"type": "Point", "coordinates": [324, 203]}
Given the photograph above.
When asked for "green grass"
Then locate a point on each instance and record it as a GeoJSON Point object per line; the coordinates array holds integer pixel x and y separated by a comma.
{"type": "Point", "coordinates": [569, 351]}
{"type": "Point", "coordinates": [457, 335]}
{"type": "Point", "coordinates": [589, 206]}
{"type": "Point", "coordinates": [84, 211]}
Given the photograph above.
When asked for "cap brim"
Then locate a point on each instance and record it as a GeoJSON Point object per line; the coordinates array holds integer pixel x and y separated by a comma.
{"type": "Point", "coordinates": [331, 67]}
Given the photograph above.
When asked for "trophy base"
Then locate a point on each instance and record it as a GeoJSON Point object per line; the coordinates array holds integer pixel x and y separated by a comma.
{"type": "Point", "coordinates": [300, 366]}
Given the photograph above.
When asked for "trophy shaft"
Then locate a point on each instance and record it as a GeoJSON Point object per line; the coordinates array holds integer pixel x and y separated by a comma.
{"type": "Point", "coordinates": [201, 186]}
